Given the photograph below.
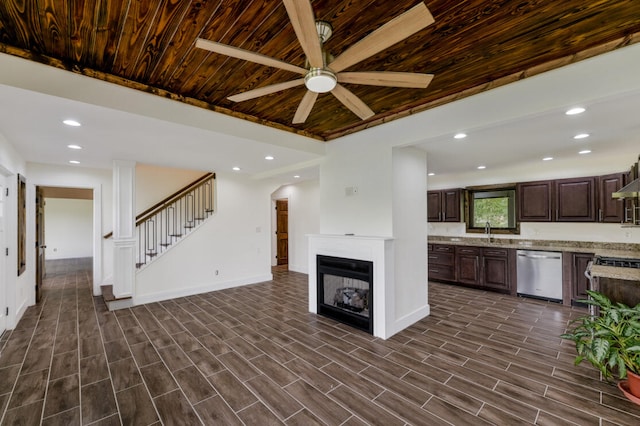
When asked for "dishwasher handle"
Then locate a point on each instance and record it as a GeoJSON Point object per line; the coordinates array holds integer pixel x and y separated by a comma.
{"type": "Point", "coordinates": [538, 256]}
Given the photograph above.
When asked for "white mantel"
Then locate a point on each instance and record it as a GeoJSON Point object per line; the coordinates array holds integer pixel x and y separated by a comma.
{"type": "Point", "coordinates": [378, 250]}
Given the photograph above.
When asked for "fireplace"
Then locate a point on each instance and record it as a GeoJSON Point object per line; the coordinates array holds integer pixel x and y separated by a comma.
{"type": "Point", "coordinates": [345, 291]}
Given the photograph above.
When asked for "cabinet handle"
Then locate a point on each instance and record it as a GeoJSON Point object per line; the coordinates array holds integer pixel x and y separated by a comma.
{"type": "Point", "coordinates": [626, 215]}
{"type": "Point", "coordinates": [440, 216]}
{"type": "Point", "coordinates": [599, 215]}
{"type": "Point", "coordinates": [556, 215]}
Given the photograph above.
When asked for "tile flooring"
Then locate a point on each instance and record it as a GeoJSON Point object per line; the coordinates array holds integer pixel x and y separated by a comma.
{"type": "Point", "coordinates": [254, 355]}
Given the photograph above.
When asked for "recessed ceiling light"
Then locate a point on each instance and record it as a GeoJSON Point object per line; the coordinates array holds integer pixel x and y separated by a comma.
{"type": "Point", "coordinates": [72, 123]}
{"type": "Point", "coordinates": [460, 136]}
{"type": "Point", "coordinates": [74, 161]}
{"type": "Point", "coordinates": [574, 111]}
{"type": "Point", "coordinates": [296, 177]}
{"type": "Point", "coordinates": [237, 169]}
{"type": "Point", "coordinates": [482, 167]}
{"type": "Point", "coordinates": [269, 157]}
{"type": "Point", "coordinates": [431, 174]}
{"type": "Point", "coordinates": [547, 159]}
{"type": "Point", "coordinates": [585, 151]}
{"type": "Point", "coordinates": [581, 136]}
{"type": "Point", "coordinates": [74, 147]}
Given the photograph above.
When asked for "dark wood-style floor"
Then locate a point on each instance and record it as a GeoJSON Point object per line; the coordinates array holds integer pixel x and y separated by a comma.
{"type": "Point", "coordinates": [254, 355]}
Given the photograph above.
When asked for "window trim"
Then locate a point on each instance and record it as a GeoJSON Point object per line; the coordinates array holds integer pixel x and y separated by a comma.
{"type": "Point", "coordinates": [468, 208]}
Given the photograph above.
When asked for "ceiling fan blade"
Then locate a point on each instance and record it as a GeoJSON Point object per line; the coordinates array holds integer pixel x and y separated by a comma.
{"type": "Point", "coordinates": [352, 102]}
{"type": "Point", "coordinates": [236, 52]}
{"type": "Point", "coordinates": [304, 24]}
{"type": "Point", "coordinates": [304, 109]}
{"type": "Point", "coordinates": [266, 90]}
{"type": "Point", "coordinates": [387, 78]}
{"type": "Point", "coordinates": [399, 28]}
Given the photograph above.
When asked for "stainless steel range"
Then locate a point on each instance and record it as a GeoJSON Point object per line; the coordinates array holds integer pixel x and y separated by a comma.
{"type": "Point", "coordinates": [617, 262]}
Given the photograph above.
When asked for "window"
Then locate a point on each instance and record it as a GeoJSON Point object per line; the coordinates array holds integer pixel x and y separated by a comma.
{"type": "Point", "coordinates": [493, 206]}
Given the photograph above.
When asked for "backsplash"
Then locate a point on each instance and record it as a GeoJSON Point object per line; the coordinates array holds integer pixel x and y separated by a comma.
{"type": "Point", "coordinates": [588, 232]}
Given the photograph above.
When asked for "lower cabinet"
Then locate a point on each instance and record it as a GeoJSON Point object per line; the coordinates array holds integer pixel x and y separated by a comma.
{"type": "Point", "coordinates": [579, 282]}
{"type": "Point", "coordinates": [496, 273]}
{"type": "Point", "coordinates": [441, 262]}
{"type": "Point", "coordinates": [480, 267]}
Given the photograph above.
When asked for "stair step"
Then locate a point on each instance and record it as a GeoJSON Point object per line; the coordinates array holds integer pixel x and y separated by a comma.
{"type": "Point", "coordinates": [139, 265]}
{"type": "Point", "coordinates": [189, 226]}
{"type": "Point", "coordinates": [199, 218]}
{"type": "Point", "coordinates": [152, 254]}
{"type": "Point", "coordinates": [165, 244]}
{"type": "Point", "coordinates": [113, 303]}
{"type": "Point", "coordinates": [176, 235]}
{"type": "Point", "coordinates": [209, 211]}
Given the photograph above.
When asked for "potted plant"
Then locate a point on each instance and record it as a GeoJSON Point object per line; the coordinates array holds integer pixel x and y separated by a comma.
{"type": "Point", "coordinates": [610, 341]}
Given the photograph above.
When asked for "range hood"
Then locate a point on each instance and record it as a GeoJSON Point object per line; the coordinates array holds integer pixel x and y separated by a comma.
{"type": "Point", "coordinates": [631, 190]}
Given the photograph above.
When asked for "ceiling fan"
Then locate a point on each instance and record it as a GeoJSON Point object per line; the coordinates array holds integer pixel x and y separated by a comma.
{"type": "Point", "coordinates": [324, 73]}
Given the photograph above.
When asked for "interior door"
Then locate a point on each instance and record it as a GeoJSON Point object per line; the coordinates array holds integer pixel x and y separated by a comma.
{"type": "Point", "coordinates": [3, 283]}
{"type": "Point", "coordinates": [40, 243]}
{"type": "Point", "coordinates": [282, 231]}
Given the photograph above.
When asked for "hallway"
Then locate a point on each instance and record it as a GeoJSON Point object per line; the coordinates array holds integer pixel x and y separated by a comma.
{"type": "Point", "coordinates": [254, 355]}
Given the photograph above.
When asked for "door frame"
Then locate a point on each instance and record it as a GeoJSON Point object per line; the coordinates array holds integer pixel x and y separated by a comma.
{"type": "Point", "coordinates": [4, 278]}
{"type": "Point", "coordinates": [97, 230]}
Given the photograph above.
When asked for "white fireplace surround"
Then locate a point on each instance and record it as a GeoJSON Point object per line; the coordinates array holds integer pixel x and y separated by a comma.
{"type": "Point", "coordinates": [378, 250]}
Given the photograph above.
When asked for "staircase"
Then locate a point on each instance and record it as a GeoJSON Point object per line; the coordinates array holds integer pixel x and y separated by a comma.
{"type": "Point", "coordinates": [167, 222]}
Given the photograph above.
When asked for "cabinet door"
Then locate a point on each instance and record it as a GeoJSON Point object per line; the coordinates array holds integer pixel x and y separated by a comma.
{"type": "Point", "coordinates": [434, 211]}
{"type": "Point", "coordinates": [579, 283]}
{"type": "Point", "coordinates": [534, 201]}
{"type": "Point", "coordinates": [495, 270]}
{"type": "Point", "coordinates": [468, 265]}
{"type": "Point", "coordinates": [576, 200]}
{"type": "Point", "coordinates": [610, 209]}
{"type": "Point", "coordinates": [451, 205]}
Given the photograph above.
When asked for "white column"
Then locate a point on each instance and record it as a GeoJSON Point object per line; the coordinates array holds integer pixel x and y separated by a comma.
{"type": "Point", "coordinates": [124, 241]}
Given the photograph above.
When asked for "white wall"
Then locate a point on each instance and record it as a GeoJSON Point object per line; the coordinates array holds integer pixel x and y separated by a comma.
{"type": "Point", "coordinates": [68, 228]}
{"type": "Point", "coordinates": [154, 183]}
{"type": "Point", "coordinates": [410, 234]}
{"type": "Point", "coordinates": [304, 219]}
{"type": "Point", "coordinates": [235, 241]}
{"type": "Point", "coordinates": [100, 181]}
{"type": "Point", "coordinates": [356, 162]}
{"type": "Point", "coordinates": [18, 291]}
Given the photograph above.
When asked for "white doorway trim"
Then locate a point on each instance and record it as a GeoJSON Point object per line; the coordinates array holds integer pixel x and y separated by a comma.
{"type": "Point", "coordinates": [4, 281]}
{"type": "Point", "coordinates": [97, 228]}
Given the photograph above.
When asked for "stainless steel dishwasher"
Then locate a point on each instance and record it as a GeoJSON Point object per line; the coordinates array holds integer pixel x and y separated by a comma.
{"type": "Point", "coordinates": [540, 274]}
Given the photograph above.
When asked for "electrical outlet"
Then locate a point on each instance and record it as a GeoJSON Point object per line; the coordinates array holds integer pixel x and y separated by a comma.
{"type": "Point", "coordinates": [217, 272]}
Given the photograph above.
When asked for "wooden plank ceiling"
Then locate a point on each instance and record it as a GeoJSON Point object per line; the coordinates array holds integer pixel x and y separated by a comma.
{"type": "Point", "coordinates": [473, 45]}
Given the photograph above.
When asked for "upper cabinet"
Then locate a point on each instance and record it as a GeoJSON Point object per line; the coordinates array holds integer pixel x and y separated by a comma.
{"type": "Point", "coordinates": [534, 201]}
{"type": "Point", "coordinates": [610, 209]}
{"type": "Point", "coordinates": [444, 205]}
{"type": "Point", "coordinates": [575, 200]}
{"type": "Point", "coordinates": [585, 199]}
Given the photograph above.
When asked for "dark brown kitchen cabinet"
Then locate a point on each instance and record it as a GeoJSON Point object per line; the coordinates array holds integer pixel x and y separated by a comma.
{"type": "Point", "coordinates": [575, 283]}
{"type": "Point", "coordinates": [444, 205]}
{"type": "Point", "coordinates": [496, 274]}
{"type": "Point", "coordinates": [610, 209]}
{"type": "Point", "coordinates": [441, 262]}
{"type": "Point", "coordinates": [486, 268]}
{"type": "Point", "coordinates": [535, 201]}
{"type": "Point", "coordinates": [575, 200]}
{"type": "Point", "coordinates": [468, 265]}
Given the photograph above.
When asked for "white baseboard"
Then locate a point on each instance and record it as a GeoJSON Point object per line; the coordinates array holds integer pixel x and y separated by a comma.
{"type": "Point", "coordinates": [190, 291]}
{"type": "Point", "coordinates": [411, 318]}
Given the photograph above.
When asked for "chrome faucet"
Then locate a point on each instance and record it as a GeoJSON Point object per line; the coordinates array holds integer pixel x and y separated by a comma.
{"type": "Point", "coordinates": [487, 230]}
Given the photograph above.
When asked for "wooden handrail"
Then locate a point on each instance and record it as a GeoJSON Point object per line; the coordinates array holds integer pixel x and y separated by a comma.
{"type": "Point", "coordinates": [160, 205]}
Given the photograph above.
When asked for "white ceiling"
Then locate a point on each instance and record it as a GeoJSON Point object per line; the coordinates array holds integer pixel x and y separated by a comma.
{"type": "Point", "coordinates": [509, 128]}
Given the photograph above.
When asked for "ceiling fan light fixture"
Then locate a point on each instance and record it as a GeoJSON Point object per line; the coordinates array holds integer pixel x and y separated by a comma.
{"type": "Point", "coordinates": [320, 80]}
{"type": "Point", "coordinates": [324, 30]}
